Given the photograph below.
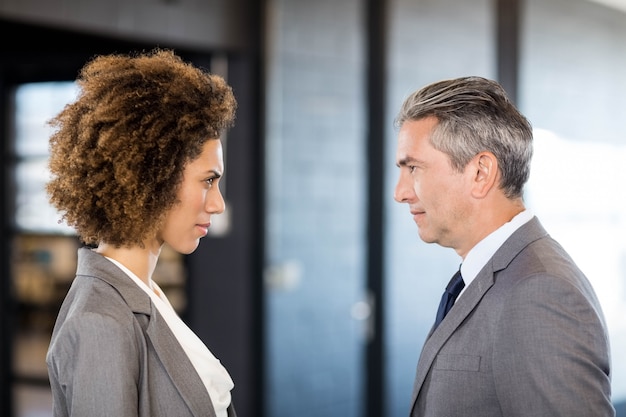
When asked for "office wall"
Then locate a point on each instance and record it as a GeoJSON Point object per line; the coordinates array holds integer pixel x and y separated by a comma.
{"type": "Point", "coordinates": [316, 162]}
{"type": "Point", "coordinates": [215, 24]}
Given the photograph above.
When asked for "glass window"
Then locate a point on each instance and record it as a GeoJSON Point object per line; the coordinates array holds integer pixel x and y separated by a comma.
{"type": "Point", "coordinates": [573, 90]}
{"type": "Point", "coordinates": [35, 104]}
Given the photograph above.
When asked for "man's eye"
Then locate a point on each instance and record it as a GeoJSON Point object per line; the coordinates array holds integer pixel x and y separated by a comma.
{"type": "Point", "coordinates": [411, 168]}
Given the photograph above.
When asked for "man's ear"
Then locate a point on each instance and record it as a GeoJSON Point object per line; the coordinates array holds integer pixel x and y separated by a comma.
{"type": "Point", "coordinates": [486, 173]}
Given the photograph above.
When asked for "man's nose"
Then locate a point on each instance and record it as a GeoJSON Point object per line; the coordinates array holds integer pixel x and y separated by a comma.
{"type": "Point", "coordinates": [400, 193]}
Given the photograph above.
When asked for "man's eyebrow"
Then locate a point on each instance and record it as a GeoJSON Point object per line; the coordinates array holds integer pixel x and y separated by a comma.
{"type": "Point", "coordinates": [405, 161]}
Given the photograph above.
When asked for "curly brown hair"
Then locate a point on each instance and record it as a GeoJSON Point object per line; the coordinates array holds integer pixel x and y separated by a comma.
{"type": "Point", "coordinates": [118, 151]}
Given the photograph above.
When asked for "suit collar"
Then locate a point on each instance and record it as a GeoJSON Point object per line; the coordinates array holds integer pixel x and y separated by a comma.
{"type": "Point", "coordinates": [97, 266]}
{"type": "Point", "coordinates": [524, 236]}
{"type": "Point", "coordinates": [484, 250]}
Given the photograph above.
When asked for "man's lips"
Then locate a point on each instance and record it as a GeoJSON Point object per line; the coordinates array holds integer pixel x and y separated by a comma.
{"type": "Point", "coordinates": [417, 214]}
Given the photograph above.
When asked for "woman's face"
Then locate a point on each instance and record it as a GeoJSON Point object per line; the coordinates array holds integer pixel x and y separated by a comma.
{"type": "Point", "coordinates": [198, 198]}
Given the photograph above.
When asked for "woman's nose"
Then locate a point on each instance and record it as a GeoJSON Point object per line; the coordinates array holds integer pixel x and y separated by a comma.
{"type": "Point", "coordinates": [215, 202]}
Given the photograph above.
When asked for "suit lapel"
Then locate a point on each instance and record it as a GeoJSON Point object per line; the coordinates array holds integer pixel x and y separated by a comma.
{"type": "Point", "coordinates": [436, 339]}
{"type": "Point", "coordinates": [485, 279]}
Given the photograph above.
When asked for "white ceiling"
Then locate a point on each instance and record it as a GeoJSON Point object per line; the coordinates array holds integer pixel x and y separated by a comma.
{"type": "Point", "coordinates": [617, 4]}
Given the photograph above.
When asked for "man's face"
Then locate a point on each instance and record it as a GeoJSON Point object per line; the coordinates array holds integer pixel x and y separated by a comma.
{"type": "Point", "coordinates": [437, 195]}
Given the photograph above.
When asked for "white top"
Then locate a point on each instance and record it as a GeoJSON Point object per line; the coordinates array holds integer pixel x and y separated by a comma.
{"type": "Point", "coordinates": [213, 374]}
{"type": "Point", "coordinates": [480, 254]}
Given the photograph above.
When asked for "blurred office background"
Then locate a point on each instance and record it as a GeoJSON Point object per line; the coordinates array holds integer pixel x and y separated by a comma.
{"type": "Point", "coordinates": [314, 289]}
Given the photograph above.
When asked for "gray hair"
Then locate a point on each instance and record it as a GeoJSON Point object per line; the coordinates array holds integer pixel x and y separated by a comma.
{"type": "Point", "coordinates": [474, 115]}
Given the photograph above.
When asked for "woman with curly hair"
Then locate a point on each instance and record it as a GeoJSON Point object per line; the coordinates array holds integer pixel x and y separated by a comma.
{"type": "Point", "coordinates": [135, 163]}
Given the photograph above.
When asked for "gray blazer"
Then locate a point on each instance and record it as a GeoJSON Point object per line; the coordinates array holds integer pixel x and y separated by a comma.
{"type": "Point", "coordinates": [112, 354]}
{"type": "Point", "coordinates": [526, 338]}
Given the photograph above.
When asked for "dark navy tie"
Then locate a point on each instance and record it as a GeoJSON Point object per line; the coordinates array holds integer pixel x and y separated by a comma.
{"type": "Point", "coordinates": [452, 291]}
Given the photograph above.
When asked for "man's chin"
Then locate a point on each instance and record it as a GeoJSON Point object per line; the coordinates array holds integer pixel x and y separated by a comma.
{"type": "Point", "coordinates": [425, 237]}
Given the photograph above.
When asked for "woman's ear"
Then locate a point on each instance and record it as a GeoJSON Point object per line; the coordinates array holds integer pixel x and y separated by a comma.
{"type": "Point", "coordinates": [486, 174]}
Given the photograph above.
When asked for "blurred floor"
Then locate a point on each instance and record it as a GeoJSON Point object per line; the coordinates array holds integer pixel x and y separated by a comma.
{"type": "Point", "coordinates": [31, 393]}
{"type": "Point", "coordinates": [32, 401]}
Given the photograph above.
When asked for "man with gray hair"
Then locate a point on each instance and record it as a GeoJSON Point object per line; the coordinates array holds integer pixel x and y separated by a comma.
{"type": "Point", "coordinates": [525, 334]}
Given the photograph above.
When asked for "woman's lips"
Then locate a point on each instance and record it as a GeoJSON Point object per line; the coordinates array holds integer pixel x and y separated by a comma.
{"type": "Point", "coordinates": [204, 227]}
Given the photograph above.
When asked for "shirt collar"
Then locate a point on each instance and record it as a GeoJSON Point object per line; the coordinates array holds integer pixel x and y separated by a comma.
{"type": "Point", "coordinates": [480, 254]}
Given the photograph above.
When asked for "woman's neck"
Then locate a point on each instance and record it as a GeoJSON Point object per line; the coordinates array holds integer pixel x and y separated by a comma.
{"type": "Point", "coordinates": [140, 261]}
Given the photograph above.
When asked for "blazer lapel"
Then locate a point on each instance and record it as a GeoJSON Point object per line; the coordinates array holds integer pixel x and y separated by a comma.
{"type": "Point", "coordinates": [179, 367]}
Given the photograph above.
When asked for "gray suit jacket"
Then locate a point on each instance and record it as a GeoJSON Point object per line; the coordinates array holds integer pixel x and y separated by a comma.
{"type": "Point", "coordinates": [112, 354]}
{"type": "Point", "coordinates": [526, 338]}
